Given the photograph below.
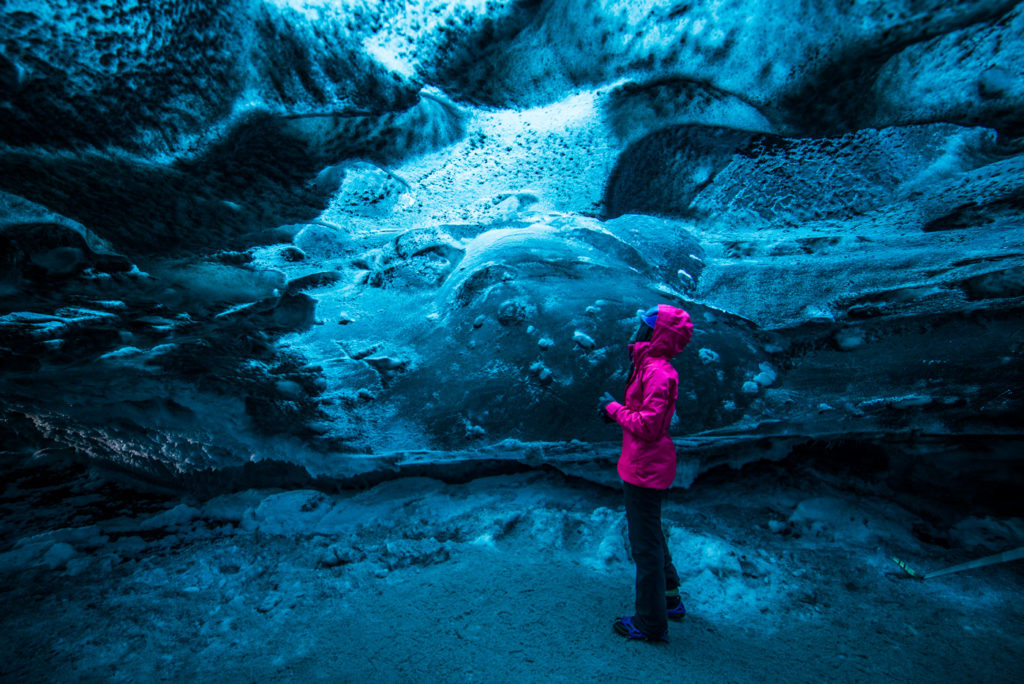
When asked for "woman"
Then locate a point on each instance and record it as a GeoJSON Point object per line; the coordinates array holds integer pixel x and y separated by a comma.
{"type": "Point", "coordinates": [647, 466]}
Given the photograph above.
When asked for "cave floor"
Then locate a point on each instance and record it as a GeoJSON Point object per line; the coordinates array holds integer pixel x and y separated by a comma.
{"type": "Point", "coordinates": [509, 578]}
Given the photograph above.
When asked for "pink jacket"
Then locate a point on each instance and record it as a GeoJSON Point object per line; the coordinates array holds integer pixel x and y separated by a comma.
{"type": "Point", "coordinates": [648, 454]}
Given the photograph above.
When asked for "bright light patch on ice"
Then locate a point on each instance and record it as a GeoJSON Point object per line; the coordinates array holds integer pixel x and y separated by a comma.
{"type": "Point", "coordinates": [701, 174]}
{"type": "Point", "coordinates": [387, 55]}
{"type": "Point", "coordinates": [561, 114]}
{"type": "Point", "coordinates": [313, 8]}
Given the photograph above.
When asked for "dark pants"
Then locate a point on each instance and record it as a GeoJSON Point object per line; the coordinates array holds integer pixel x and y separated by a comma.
{"type": "Point", "coordinates": [654, 570]}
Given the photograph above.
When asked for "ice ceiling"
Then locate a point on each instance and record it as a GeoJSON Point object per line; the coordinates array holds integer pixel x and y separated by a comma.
{"type": "Point", "coordinates": [355, 237]}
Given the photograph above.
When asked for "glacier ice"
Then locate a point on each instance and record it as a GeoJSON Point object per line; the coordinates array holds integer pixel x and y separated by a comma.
{"type": "Point", "coordinates": [340, 234]}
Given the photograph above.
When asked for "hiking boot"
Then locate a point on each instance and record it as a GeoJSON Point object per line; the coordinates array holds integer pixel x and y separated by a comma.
{"type": "Point", "coordinates": [676, 609]}
{"type": "Point", "coordinates": [626, 627]}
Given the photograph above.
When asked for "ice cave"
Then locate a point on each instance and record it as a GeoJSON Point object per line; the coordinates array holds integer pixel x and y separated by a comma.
{"type": "Point", "coordinates": [306, 308]}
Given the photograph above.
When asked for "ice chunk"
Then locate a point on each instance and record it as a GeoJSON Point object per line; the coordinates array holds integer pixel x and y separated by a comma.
{"type": "Point", "coordinates": [22, 317]}
{"type": "Point", "coordinates": [289, 389]}
{"type": "Point", "coordinates": [542, 372]}
{"type": "Point", "coordinates": [818, 314]}
{"type": "Point", "coordinates": [766, 377]}
{"type": "Point", "coordinates": [58, 555]}
{"type": "Point", "coordinates": [123, 352]}
{"type": "Point", "coordinates": [110, 304]}
{"type": "Point", "coordinates": [387, 366]}
{"type": "Point", "coordinates": [910, 400]}
{"type": "Point", "coordinates": [475, 431]}
{"type": "Point", "coordinates": [900, 402]}
{"type": "Point", "coordinates": [182, 514]}
{"type": "Point", "coordinates": [707, 355]}
{"type": "Point", "coordinates": [584, 340]}
{"type": "Point", "coordinates": [323, 241]}
{"type": "Point", "coordinates": [849, 338]}
{"type": "Point", "coordinates": [688, 281]}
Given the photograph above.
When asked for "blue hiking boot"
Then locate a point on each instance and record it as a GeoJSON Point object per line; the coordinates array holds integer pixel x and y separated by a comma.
{"type": "Point", "coordinates": [676, 609]}
{"type": "Point", "coordinates": [626, 627]}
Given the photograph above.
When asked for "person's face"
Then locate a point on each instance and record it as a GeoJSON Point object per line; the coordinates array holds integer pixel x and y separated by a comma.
{"type": "Point", "coordinates": [642, 334]}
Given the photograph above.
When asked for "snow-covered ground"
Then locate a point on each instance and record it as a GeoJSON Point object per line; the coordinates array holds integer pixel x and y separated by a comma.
{"type": "Point", "coordinates": [786, 576]}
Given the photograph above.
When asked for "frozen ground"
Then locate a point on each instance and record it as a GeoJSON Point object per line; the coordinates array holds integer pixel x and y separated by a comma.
{"type": "Point", "coordinates": [508, 578]}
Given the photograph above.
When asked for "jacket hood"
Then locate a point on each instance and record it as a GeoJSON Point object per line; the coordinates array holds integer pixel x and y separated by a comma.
{"type": "Point", "coordinates": [672, 332]}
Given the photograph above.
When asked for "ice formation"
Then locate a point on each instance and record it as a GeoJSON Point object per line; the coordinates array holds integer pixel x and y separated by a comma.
{"type": "Point", "coordinates": [334, 235]}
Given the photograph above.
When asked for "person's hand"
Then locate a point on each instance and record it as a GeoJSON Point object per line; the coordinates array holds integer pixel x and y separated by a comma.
{"type": "Point", "coordinates": [605, 399]}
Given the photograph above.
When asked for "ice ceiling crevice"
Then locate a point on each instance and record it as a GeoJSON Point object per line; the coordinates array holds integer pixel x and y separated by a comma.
{"type": "Point", "coordinates": [362, 237]}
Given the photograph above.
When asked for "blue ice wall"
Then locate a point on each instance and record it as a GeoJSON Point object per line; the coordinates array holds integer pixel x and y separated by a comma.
{"type": "Point", "coordinates": [354, 237]}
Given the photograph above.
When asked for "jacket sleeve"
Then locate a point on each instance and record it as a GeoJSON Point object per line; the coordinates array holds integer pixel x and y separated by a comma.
{"type": "Point", "coordinates": [648, 423]}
